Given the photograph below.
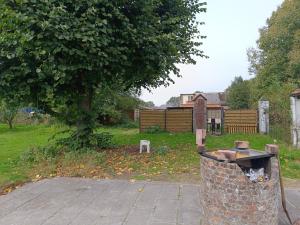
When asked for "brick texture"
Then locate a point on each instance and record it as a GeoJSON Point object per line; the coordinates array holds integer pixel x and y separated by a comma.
{"type": "Point", "coordinates": [199, 113]}
{"type": "Point", "coordinates": [228, 197]}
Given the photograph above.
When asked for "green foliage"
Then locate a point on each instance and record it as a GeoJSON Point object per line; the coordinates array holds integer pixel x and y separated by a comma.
{"type": "Point", "coordinates": [156, 129]}
{"type": "Point", "coordinates": [128, 124]}
{"type": "Point", "coordinates": [279, 113]}
{"type": "Point", "coordinates": [112, 106]}
{"type": "Point", "coordinates": [238, 94]}
{"type": "Point", "coordinates": [8, 112]}
{"type": "Point", "coordinates": [173, 102]}
{"type": "Point", "coordinates": [36, 154]}
{"type": "Point", "coordinates": [95, 141]}
{"type": "Point", "coordinates": [148, 104]}
{"type": "Point", "coordinates": [57, 54]}
{"type": "Point", "coordinates": [162, 150]}
{"type": "Point", "coordinates": [276, 64]}
{"type": "Point", "coordinates": [277, 59]}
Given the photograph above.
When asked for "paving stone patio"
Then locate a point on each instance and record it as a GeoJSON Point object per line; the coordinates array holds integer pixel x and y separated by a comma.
{"type": "Point", "coordinates": [77, 201]}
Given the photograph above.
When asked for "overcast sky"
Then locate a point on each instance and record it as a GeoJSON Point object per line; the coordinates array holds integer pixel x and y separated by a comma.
{"type": "Point", "coordinates": [231, 27]}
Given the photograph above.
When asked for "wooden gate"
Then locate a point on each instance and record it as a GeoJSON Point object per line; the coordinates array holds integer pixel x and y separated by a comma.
{"type": "Point", "coordinates": [240, 121]}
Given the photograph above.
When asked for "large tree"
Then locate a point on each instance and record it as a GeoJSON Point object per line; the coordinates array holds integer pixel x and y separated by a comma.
{"type": "Point", "coordinates": [276, 61]}
{"type": "Point", "coordinates": [58, 53]}
{"type": "Point", "coordinates": [276, 64]}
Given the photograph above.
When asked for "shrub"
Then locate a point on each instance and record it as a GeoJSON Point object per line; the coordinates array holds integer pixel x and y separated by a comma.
{"type": "Point", "coordinates": [29, 155]}
{"type": "Point", "coordinates": [162, 150]}
{"type": "Point", "coordinates": [97, 141]}
{"type": "Point", "coordinates": [37, 154]}
{"type": "Point", "coordinates": [68, 147]}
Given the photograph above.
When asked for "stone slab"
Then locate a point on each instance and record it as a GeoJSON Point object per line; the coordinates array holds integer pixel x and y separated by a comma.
{"type": "Point", "coordinates": [78, 201]}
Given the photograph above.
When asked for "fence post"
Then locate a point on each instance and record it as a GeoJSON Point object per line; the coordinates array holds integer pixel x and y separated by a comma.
{"type": "Point", "coordinates": [263, 113]}
{"type": "Point", "coordinates": [295, 108]}
{"type": "Point", "coordinates": [165, 128]}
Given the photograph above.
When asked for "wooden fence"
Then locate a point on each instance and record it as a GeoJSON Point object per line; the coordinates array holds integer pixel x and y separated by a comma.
{"type": "Point", "coordinates": [241, 121]}
{"type": "Point", "coordinates": [172, 119]}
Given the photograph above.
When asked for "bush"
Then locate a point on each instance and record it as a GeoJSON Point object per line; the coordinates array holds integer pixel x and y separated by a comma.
{"type": "Point", "coordinates": [97, 141]}
{"type": "Point", "coordinates": [37, 154]}
{"type": "Point", "coordinates": [68, 146]}
{"type": "Point", "coordinates": [162, 150]}
{"type": "Point", "coordinates": [29, 155]}
{"type": "Point", "coordinates": [154, 129]}
{"type": "Point", "coordinates": [103, 140]}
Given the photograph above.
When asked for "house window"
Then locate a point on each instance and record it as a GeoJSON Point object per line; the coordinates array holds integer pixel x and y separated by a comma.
{"type": "Point", "coordinates": [190, 97]}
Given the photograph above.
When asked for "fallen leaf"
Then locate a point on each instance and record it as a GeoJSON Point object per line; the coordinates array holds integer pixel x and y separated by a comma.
{"type": "Point", "coordinates": [8, 190]}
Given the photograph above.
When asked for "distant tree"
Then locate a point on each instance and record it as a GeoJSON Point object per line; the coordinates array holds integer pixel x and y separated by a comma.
{"type": "Point", "coordinates": [149, 104]}
{"type": "Point", "coordinates": [238, 94]}
{"type": "Point", "coordinates": [173, 102]}
{"type": "Point", "coordinates": [111, 105]}
{"type": "Point", "coordinates": [8, 112]}
{"type": "Point", "coordinates": [59, 53]}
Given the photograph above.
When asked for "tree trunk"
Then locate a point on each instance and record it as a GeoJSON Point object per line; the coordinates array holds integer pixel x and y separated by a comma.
{"type": "Point", "coordinates": [10, 124]}
{"type": "Point", "coordinates": [85, 120]}
{"type": "Point", "coordinates": [84, 110]}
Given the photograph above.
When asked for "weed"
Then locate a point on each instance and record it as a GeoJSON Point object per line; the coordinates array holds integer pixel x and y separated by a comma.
{"type": "Point", "coordinates": [162, 150]}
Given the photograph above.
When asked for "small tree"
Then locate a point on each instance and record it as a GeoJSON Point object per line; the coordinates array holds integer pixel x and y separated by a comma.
{"type": "Point", "coordinates": [8, 112]}
{"type": "Point", "coordinates": [59, 53]}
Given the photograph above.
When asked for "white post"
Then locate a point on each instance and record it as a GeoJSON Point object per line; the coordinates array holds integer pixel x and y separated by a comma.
{"type": "Point", "coordinates": [263, 111]}
{"type": "Point", "coordinates": [295, 108]}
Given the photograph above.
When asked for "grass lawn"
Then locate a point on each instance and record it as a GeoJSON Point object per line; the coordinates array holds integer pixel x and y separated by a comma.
{"type": "Point", "coordinates": [15, 141]}
{"type": "Point", "coordinates": [176, 157]}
